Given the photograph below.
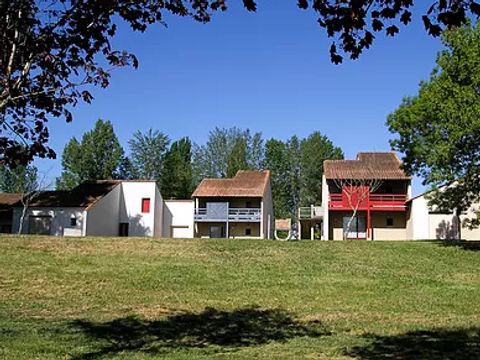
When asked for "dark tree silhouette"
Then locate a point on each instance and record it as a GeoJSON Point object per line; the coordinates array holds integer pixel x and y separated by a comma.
{"type": "Point", "coordinates": [245, 327]}
{"type": "Point", "coordinates": [434, 344]}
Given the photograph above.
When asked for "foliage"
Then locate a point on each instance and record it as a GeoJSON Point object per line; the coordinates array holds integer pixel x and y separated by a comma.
{"type": "Point", "coordinates": [296, 171]}
{"type": "Point", "coordinates": [147, 154]}
{"type": "Point", "coordinates": [137, 298]}
{"type": "Point", "coordinates": [53, 51]}
{"type": "Point", "coordinates": [276, 155]}
{"type": "Point", "coordinates": [313, 151]}
{"type": "Point", "coordinates": [98, 156]}
{"type": "Point", "coordinates": [237, 159]}
{"type": "Point", "coordinates": [20, 179]}
{"type": "Point", "coordinates": [177, 178]}
{"type": "Point", "coordinates": [239, 147]}
{"type": "Point", "coordinates": [438, 130]}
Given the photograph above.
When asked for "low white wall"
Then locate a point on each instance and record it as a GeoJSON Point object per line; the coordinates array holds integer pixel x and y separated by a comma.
{"type": "Point", "coordinates": [178, 214]}
{"type": "Point", "coordinates": [60, 223]}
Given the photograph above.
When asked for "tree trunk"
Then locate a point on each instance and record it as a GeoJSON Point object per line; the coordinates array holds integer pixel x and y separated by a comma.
{"type": "Point", "coordinates": [349, 224]}
{"type": "Point", "coordinates": [459, 224]}
{"type": "Point", "coordinates": [22, 218]}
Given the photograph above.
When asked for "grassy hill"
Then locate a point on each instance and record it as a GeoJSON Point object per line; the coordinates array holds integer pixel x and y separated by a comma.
{"type": "Point", "coordinates": [133, 298]}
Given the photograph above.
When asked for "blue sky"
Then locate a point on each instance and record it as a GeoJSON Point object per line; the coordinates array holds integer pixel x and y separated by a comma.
{"type": "Point", "coordinates": [268, 71]}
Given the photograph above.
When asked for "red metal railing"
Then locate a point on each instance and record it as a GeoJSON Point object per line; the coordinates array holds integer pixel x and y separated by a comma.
{"type": "Point", "coordinates": [340, 201]}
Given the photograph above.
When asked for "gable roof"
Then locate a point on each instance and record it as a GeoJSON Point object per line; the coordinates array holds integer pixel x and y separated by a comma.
{"type": "Point", "coordinates": [244, 184]}
{"type": "Point", "coordinates": [84, 195]}
{"type": "Point", "coordinates": [8, 200]}
{"type": "Point", "coordinates": [368, 165]}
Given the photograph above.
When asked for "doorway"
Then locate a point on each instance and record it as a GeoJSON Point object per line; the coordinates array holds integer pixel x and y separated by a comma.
{"type": "Point", "coordinates": [216, 231]}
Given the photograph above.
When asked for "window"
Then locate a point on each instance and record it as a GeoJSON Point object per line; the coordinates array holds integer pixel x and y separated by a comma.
{"type": "Point", "coordinates": [6, 229]}
{"type": "Point", "coordinates": [39, 225]}
{"type": "Point", "coordinates": [248, 231]}
{"type": "Point", "coordinates": [73, 221]}
{"type": "Point", "coordinates": [145, 205]}
{"type": "Point", "coordinates": [389, 221]}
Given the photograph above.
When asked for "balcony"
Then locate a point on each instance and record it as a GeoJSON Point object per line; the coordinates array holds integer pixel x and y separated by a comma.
{"type": "Point", "coordinates": [311, 212]}
{"type": "Point", "coordinates": [234, 215]}
{"type": "Point", "coordinates": [374, 202]}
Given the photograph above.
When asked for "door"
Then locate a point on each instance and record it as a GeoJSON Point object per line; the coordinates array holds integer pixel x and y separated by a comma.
{"type": "Point", "coordinates": [39, 225]}
{"type": "Point", "coordinates": [358, 228]}
{"type": "Point", "coordinates": [216, 231]}
{"type": "Point", "coordinates": [123, 229]}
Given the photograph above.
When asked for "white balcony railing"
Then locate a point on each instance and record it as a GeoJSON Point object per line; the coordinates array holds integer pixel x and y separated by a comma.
{"type": "Point", "coordinates": [234, 214]}
{"type": "Point", "coordinates": [312, 212]}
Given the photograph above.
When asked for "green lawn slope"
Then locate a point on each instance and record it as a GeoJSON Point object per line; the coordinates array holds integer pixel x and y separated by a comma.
{"type": "Point", "coordinates": [131, 298]}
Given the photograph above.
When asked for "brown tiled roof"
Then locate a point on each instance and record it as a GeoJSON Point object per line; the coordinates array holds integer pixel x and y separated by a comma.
{"type": "Point", "coordinates": [368, 165]}
{"type": "Point", "coordinates": [7, 200]}
{"type": "Point", "coordinates": [244, 184]}
{"type": "Point", "coordinates": [84, 195]}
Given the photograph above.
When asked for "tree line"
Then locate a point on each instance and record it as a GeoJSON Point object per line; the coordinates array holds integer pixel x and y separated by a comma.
{"type": "Point", "coordinates": [178, 166]}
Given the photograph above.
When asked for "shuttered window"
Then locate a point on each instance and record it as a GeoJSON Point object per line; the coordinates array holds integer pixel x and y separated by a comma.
{"type": "Point", "coordinates": [145, 205]}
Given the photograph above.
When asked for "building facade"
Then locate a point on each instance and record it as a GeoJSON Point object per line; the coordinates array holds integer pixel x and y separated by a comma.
{"type": "Point", "coordinates": [240, 207]}
{"type": "Point", "coordinates": [96, 208]}
{"type": "Point", "coordinates": [365, 198]}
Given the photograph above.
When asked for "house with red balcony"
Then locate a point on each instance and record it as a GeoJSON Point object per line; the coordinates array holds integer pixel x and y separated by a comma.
{"type": "Point", "coordinates": [238, 207]}
{"type": "Point", "coordinates": [365, 198]}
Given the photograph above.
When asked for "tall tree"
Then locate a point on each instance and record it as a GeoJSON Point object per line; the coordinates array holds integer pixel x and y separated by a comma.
{"type": "Point", "coordinates": [237, 159]}
{"type": "Point", "coordinates": [19, 179]}
{"type": "Point", "coordinates": [212, 159]}
{"type": "Point", "coordinates": [296, 171]}
{"type": "Point", "coordinates": [177, 179]}
{"type": "Point", "coordinates": [276, 160]}
{"type": "Point", "coordinates": [294, 174]}
{"type": "Point", "coordinates": [147, 154]}
{"type": "Point", "coordinates": [98, 156]}
{"type": "Point", "coordinates": [314, 150]}
{"type": "Point", "coordinates": [438, 130]}
{"type": "Point", "coordinates": [52, 49]}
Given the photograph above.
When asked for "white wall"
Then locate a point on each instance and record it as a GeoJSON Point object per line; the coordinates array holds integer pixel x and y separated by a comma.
{"type": "Point", "coordinates": [140, 224]}
{"type": "Point", "coordinates": [178, 218]}
{"type": "Point", "coordinates": [158, 214]}
{"type": "Point", "coordinates": [423, 225]}
{"type": "Point", "coordinates": [325, 209]}
{"type": "Point", "coordinates": [418, 220]}
{"type": "Point", "coordinates": [268, 216]}
{"type": "Point", "coordinates": [60, 224]}
{"type": "Point", "coordinates": [102, 217]}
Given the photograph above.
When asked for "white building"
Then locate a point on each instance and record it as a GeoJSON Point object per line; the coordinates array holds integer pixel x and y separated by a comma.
{"type": "Point", "coordinates": [425, 222]}
{"type": "Point", "coordinates": [239, 207]}
{"type": "Point", "coordinates": [178, 219]}
{"type": "Point", "coordinates": [97, 208]}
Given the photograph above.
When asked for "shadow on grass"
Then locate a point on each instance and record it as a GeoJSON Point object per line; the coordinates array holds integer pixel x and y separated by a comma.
{"type": "Point", "coordinates": [226, 329]}
{"type": "Point", "coordinates": [472, 245]}
{"type": "Point", "coordinates": [436, 344]}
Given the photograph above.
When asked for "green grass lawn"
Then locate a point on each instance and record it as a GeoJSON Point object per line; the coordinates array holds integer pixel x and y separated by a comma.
{"type": "Point", "coordinates": [133, 298]}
